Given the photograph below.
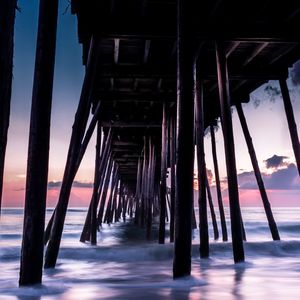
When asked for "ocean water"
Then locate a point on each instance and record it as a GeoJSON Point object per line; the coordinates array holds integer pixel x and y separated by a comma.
{"type": "Point", "coordinates": [124, 266]}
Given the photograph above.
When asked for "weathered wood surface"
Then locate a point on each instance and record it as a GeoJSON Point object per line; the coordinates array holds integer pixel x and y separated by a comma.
{"type": "Point", "coordinates": [7, 22]}
{"type": "Point", "coordinates": [235, 212]}
{"type": "Point", "coordinates": [185, 142]}
{"type": "Point", "coordinates": [38, 149]}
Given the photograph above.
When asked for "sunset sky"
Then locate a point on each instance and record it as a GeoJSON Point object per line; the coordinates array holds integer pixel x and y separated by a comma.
{"type": "Point", "coordinates": [267, 124]}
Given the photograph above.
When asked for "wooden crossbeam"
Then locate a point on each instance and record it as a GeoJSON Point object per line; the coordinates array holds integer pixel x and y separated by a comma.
{"type": "Point", "coordinates": [131, 124]}
{"type": "Point", "coordinates": [160, 72]}
{"type": "Point", "coordinates": [146, 51]}
{"type": "Point", "coordinates": [116, 51]}
{"type": "Point", "coordinates": [116, 27]}
{"type": "Point", "coordinates": [256, 52]}
{"type": "Point", "coordinates": [231, 49]}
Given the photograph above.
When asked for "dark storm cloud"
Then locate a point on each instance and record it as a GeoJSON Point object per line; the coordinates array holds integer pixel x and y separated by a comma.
{"type": "Point", "coordinates": [282, 179]}
{"type": "Point", "coordinates": [275, 161]}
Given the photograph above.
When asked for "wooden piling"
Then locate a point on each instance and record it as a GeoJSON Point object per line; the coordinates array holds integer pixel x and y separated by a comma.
{"type": "Point", "coordinates": [202, 201]}
{"type": "Point", "coordinates": [218, 185]}
{"type": "Point", "coordinates": [291, 120]}
{"type": "Point", "coordinates": [150, 192]}
{"type": "Point", "coordinates": [104, 192]}
{"type": "Point", "coordinates": [7, 22]}
{"type": "Point", "coordinates": [260, 183]}
{"type": "Point", "coordinates": [78, 130]}
{"type": "Point", "coordinates": [172, 188]}
{"type": "Point", "coordinates": [97, 175]}
{"type": "Point", "coordinates": [163, 182]}
{"type": "Point", "coordinates": [212, 210]}
{"type": "Point", "coordinates": [124, 203]}
{"type": "Point", "coordinates": [138, 191]}
{"type": "Point", "coordinates": [235, 212]}
{"type": "Point", "coordinates": [90, 228]}
{"type": "Point", "coordinates": [185, 142]}
{"type": "Point", "coordinates": [38, 149]}
{"type": "Point", "coordinates": [109, 208]}
{"type": "Point", "coordinates": [81, 153]}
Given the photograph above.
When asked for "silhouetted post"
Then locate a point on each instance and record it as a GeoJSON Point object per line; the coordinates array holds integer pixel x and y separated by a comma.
{"type": "Point", "coordinates": [138, 192]}
{"type": "Point", "coordinates": [218, 185]}
{"type": "Point", "coordinates": [78, 130]}
{"type": "Point", "coordinates": [111, 194]}
{"type": "Point", "coordinates": [185, 142]}
{"type": "Point", "coordinates": [291, 120]}
{"type": "Point", "coordinates": [89, 229]}
{"type": "Point", "coordinates": [81, 152]}
{"type": "Point", "coordinates": [199, 117]}
{"type": "Point", "coordinates": [7, 22]}
{"type": "Point", "coordinates": [38, 149]}
{"type": "Point", "coordinates": [124, 203]}
{"type": "Point", "coordinates": [97, 176]}
{"type": "Point", "coordinates": [235, 212]}
{"type": "Point", "coordinates": [172, 188]}
{"type": "Point", "coordinates": [260, 183]}
{"type": "Point", "coordinates": [150, 188]}
{"type": "Point", "coordinates": [143, 184]}
{"type": "Point", "coordinates": [212, 210]}
{"type": "Point", "coordinates": [104, 191]}
{"type": "Point", "coordinates": [114, 201]}
{"type": "Point", "coordinates": [118, 211]}
{"type": "Point", "coordinates": [163, 182]}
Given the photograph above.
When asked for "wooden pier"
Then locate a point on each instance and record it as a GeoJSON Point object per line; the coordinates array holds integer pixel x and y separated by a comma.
{"type": "Point", "coordinates": [158, 73]}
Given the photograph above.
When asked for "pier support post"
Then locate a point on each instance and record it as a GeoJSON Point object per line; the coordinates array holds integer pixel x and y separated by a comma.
{"type": "Point", "coordinates": [97, 175]}
{"type": "Point", "coordinates": [172, 188]}
{"type": "Point", "coordinates": [212, 209]}
{"type": "Point", "coordinates": [163, 180]}
{"type": "Point", "coordinates": [137, 193]}
{"type": "Point", "coordinates": [7, 22]}
{"type": "Point", "coordinates": [199, 120]}
{"type": "Point", "coordinates": [218, 185]}
{"type": "Point", "coordinates": [78, 130]}
{"type": "Point", "coordinates": [235, 212]}
{"type": "Point", "coordinates": [291, 120]}
{"type": "Point", "coordinates": [90, 225]}
{"type": "Point", "coordinates": [104, 191]}
{"type": "Point", "coordinates": [185, 142]}
{"type": "Point", "coordinates": [150, 192]}
{"type": "Point", "coordinates": [260, 183]}
{"type": "Point", "coordinates": [38, 149]}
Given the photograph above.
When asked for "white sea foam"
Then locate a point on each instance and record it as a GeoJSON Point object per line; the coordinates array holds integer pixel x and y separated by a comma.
{"type": "Point", "coordinates": [125, 266]}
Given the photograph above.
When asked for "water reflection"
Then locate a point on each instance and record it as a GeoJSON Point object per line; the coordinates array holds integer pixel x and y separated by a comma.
{"type": "Point", "coordinates": [238, 281]}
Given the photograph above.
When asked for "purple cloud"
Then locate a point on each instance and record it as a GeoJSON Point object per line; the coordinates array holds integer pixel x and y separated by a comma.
{"type": "Point", "coordinates": [282, 179]}
{"type": "Point", "coordinates": [275, 161]}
